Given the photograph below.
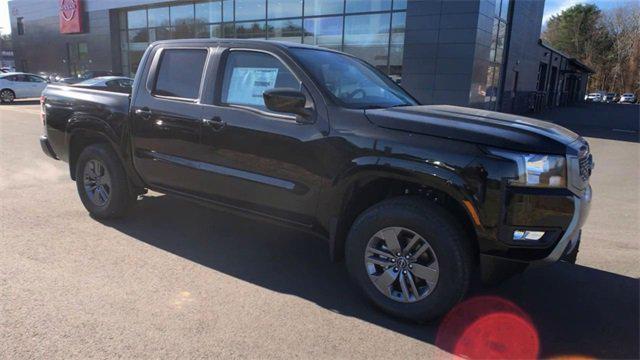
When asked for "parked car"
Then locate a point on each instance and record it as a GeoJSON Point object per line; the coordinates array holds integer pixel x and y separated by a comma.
{"type": "Point", "coordinates": [629, 98]}
{"type": "Point", "coordinates": [417, 200]}
{"type": "Point", "coordinates": [108, 83]}
{"type": "Point", "coordinates": [19, 86]}
{"type": "Point", "coordinates": [594, 97]}
{"type": "Point", "coordinates": [610, 98]}
{"type": "Point", "coordinates": [85, 75]}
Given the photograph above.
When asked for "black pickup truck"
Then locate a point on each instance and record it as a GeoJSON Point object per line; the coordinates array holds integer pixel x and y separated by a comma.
{"type": "Point", "coordinates": [419, 201]}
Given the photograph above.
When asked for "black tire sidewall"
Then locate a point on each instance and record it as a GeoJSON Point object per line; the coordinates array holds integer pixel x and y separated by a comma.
{"type": "Point", "coordinates": [445, 238]}
{"type": "Point", "coordinates": [119, 197]}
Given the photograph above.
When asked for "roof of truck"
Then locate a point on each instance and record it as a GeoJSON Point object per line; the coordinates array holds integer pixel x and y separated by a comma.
{"type": "Point", "coordinates": [253, 42]}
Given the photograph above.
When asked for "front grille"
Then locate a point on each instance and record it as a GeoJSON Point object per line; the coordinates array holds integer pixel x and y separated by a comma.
{"type": "Point", "coordinates": [586, 163]}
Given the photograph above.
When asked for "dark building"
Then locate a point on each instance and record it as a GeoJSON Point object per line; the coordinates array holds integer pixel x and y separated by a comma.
{"type": "Point", "coordinates": [481, 53]}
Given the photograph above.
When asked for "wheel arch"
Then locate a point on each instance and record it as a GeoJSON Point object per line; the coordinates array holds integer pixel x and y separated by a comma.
{"type": "Point", "coordinates": [83, 131]}
{"type": "Point", "coordinates": [370, 183]}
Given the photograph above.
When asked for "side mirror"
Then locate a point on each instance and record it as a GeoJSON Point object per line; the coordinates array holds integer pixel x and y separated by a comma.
{"type": "Point", "coordinates": [287, 101]}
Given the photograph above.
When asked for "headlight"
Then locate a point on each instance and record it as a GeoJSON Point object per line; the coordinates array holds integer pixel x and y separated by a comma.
{"type": "Point", "coordinates": [537, 170]}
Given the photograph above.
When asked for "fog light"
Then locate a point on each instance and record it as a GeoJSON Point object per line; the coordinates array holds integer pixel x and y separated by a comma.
{"type": "Point", "coordinates": [527, 235]}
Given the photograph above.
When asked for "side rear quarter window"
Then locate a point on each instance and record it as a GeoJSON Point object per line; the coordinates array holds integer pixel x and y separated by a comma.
{"type": "Point", "coordinates": [248, 74]}
{"type": "Point", "coordinates": [180, 73]}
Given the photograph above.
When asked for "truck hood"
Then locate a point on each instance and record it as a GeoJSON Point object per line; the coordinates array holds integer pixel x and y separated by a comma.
{"type": "Point", "coordinates": [478, 126]}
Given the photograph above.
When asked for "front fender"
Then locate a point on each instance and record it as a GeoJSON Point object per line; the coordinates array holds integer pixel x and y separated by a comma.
{"type": "Point", "coordinates": [435, 175]}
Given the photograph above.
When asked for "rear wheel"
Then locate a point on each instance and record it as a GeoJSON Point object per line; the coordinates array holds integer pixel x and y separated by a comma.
{"type": "Point", "coordinates": [7, 96]}
{"type": "Point", "coordinates": [102, 183]}
{"type": "Point", "coordinates": [410, 258]}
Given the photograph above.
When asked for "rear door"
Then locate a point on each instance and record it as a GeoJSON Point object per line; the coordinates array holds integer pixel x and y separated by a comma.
{"type": "Point", "coordinates": [166, 114]}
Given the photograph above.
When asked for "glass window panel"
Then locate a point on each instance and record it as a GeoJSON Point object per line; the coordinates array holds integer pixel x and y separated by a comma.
{"type": "Point", "coordinates": [396, 54]}
{"type": "Point", "coordinates": [208, 31]}
{"type": "Point", "coordinates": [504, 12]}
{"type": "Point", "coordinates": [285, 30]}
{"type": "Point", "coordinates": [183, 31]}
{"type": "Point", "coordinates": [134, 61]}
{"type": "Point", "coordinates": [159, 33]}
{"type": "Point", "coordinates": [137, 19]}
{"type": "Point", "coordinates": [228, 30]}
{"type": "Point", "coordinates": [138, 36]}
{"type": "Point", "coordinates": [497, 7]}
{"type": "Point", "coordinates": [367, 37]}
{"type": "Point", "coordinates": [323, 7]}
{"type": "Point", "coordinates": [399, 4]}
{"type": "Point", "coordinates": [367, 5]}
{"type": "Point", "coordinates": [326, 31]}
{"type": "Point", "coordinates": [227, 10]}
{"type": "Point", "coordinates": [398, 22]}
{"type": "Point", "coordinates": [182, 14]}
{"type": "Point", "coordinates": [249, 74]}
{"type": "Point", "coordinates": [500, 42]}
{"type": "Point", "coordinates": [365, 30]}
{"type": "Point", "coordinates": [284, 8]}
{"type": "Point", "coordinates": [180, 73]}
{"type": "Point", "coordinates": [250, 10]}
{"type": "Point", "coordinates": [251, 30]}
{"type": "Point", "coordinates": [209, 12]}
{"type": "Point", "coordinates": [494, 40]}
{"type": "Point", "coordinates": [159, 17]}
{"type": "Point", "coordinates": [83, 51]}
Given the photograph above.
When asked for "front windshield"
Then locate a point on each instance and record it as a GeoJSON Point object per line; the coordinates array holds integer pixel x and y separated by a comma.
{"type": "Point", "coordinates": [352, 83]}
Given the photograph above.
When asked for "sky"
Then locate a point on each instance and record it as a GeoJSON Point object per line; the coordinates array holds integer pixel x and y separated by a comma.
{"type": "Point", "coordinates": [551, 8]}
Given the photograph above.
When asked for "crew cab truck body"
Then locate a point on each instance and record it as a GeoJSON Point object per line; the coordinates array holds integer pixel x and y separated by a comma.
{"type": "Point", "coordinates": [417, 200]}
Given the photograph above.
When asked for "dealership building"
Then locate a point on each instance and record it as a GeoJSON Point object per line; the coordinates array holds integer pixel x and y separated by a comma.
{"type": "Point", "coordinates": [480, 53]}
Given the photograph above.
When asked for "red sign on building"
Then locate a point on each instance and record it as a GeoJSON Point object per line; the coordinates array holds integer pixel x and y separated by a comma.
{"type": "Point", "coordinates": [70, 16]}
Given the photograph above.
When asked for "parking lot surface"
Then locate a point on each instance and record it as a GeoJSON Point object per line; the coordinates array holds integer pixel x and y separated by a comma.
{"type": "Point", "coordinates": [178, 280]}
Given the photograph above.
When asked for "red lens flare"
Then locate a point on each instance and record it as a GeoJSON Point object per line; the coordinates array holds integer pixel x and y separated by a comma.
{"type": "Point", "coordinates": [488, 327]}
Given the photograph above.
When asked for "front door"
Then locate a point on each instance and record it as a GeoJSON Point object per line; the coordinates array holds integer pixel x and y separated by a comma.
{"type": "Point", "coordinates": [258, 159]}
{"type": "Point", "coordinates": [167, 119]}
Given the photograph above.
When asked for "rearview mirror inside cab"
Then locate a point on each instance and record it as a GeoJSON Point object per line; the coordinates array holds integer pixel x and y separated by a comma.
{"type": "Point", "coordinates": [286, 101]}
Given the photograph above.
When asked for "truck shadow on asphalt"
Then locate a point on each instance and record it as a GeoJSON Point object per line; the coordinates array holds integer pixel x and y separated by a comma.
{"type": "Point", "coordinates": [576, 310]}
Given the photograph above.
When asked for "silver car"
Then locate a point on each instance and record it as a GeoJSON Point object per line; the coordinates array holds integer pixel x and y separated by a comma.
{"type": "Point", "coordinates": [629, 98]}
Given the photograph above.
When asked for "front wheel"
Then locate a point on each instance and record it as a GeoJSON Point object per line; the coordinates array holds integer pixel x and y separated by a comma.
{"type": "Point", "coordinates": [7, 96]}
{"type": "Point", "coordinates": [102, 183]}
{"type": "Point", "coordinates": [410, 258]}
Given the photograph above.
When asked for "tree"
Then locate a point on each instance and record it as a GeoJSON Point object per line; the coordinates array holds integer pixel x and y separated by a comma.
{"type": "Point", "coordinates": [607, 42]}
{"type": "Point", "coordinates": [623, 26]}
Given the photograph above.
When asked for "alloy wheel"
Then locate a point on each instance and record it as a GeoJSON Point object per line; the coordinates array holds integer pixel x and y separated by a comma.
{"type": "Point", "coordinates": [401, 264]}
{"type": "Point", "coordinates": [97, 182]}
{"type": "Point", "coordinates": [7, 96]}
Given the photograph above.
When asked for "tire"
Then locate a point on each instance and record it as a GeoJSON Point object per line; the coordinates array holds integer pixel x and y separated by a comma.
{"type": "Point", "coordinates": [118, 197]}
{"type": "Point", "coordinates": [7, 96]}
{"type": "Point", "coordinates": [447, 242]}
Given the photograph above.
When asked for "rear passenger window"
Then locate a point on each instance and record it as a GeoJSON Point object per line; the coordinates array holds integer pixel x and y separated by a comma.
{"type": "Point", "coordinates": [180, 73]}
{"type": "Point", "coordinates": [249, 74]}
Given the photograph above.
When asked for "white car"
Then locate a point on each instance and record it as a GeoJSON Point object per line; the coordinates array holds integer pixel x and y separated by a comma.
{"type": "Point", "coordinates": [20, 86]}
{"type": "Point", "coordinates": [594, 97]}
{"type": "Point", "coordinates": [628, 98]}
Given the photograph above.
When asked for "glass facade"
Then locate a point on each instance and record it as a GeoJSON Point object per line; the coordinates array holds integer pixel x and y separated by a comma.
{"type": "Point", "coordinates": [371, 30]}
{"type": "Point", "coordinates": [496, 53]}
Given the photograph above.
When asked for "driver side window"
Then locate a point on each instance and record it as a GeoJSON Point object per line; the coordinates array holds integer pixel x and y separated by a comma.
{"type": "Point", "coordinates": [248, 74]}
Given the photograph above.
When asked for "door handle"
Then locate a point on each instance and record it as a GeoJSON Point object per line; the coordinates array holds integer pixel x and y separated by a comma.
{"type": "Point", "coordinates": [144, 113]}
{"type": "Point", "coordinates": [216, 123]}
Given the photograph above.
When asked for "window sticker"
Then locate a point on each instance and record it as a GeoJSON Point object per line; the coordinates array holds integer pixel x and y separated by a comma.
{"type": "Point", "coordinates": [248, 84]}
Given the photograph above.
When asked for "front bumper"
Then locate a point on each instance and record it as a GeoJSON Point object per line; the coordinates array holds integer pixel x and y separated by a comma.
{"type": "Point", "coordinates": [571, 236]}
{"type": "Point", "coordinates": [46, 147]}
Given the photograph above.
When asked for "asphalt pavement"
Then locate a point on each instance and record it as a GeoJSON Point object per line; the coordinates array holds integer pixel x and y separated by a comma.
{"type": "Point", "coordinates": [177, 280]}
